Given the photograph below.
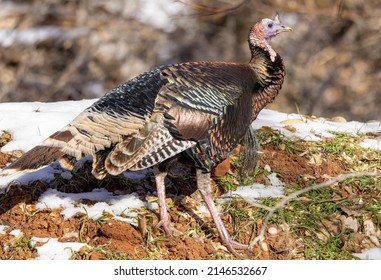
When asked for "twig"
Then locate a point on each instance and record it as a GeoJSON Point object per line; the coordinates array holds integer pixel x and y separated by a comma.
{"type": "Point", "coordinates": [290, 197]}
{"type": "Point", "coordinates": [206, 10]}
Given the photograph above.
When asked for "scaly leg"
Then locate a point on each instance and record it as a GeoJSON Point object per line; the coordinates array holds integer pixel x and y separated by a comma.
{"type": "Point", "coordinates": [203, 184]}
{"type": "Point", "coordinates": [164, 217]}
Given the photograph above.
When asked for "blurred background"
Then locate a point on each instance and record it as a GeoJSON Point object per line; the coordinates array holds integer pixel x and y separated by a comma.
{"type": "Point", "coordinates": [68, 50]}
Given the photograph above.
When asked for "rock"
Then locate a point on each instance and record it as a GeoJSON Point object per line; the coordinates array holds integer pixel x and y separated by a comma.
{"type": "Point", "coordinates": [370, 232]}
{"type": "Point", "coordinates": [333, 226]}
{"type": "Point", "coordinates": [290, 128]}
{"type": "Point", "coordinates": [293, 121]}
{"type": "Point", "coordinates": [351, 224]}
{"type": "Point", "coordinates": [272, 231]}
{"type": "Point", "coordinates": [316, 159]}
{"type": "Point", "coordinates": [338, 119]}
{"type": "Point", "coordinates": [323, 235]}
{"type": "Point", "coordinates": [267, 168]}
{"type": "Point", "coordinates": [264, 247]}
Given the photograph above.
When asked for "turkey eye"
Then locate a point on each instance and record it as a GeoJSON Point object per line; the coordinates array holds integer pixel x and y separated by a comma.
{"type": "Point", "coordinates": [270, 25]}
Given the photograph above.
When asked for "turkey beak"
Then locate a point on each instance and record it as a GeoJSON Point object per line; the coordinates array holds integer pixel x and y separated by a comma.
{"type": "Point", "coordinates": [284, 28]}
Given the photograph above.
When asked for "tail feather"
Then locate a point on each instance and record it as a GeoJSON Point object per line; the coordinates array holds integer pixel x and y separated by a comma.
{"type": "Point", "coordinates": [36, 158]}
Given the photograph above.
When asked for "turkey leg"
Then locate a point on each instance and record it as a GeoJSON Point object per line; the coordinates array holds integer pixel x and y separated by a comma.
{"type": "Point", "coordinates": [164, 217]}
{"type": "Point", "coordinates": [203, 184]}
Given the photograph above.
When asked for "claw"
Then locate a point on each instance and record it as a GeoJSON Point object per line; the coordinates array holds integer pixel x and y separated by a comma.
{"type": "Point", "coordinates": [168, 228]}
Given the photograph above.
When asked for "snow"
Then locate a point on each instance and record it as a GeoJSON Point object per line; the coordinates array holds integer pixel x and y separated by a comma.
{"type": "Point", "coordinates": [314, 129]}
{"type": "Point", "coordinates": [371, 254]}
{"type": "Point", "coordinates": [3, 228]}
{"type": "Point", "coordinates": [30, 123]}
{"type": "Point", "coordinates": [54, 250]}
{"type": "Point", "coordinates": [251, 193]}
{"type": "Point", "coordinates": [117, 205]}
{"type": "Point", "coordinates": [47, 174]}
{"type": "Point", "coordinates": [371, 143]}
{"type": "Point", "coordinates": [16, 233]}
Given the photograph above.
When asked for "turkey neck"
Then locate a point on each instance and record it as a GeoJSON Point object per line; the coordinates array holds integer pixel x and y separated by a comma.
{"type": "Point", "coordinates": [270, 76]}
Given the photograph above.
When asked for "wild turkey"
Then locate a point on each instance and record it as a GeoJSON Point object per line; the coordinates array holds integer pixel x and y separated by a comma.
{"type": "Point", "coordinates": [201, 108]}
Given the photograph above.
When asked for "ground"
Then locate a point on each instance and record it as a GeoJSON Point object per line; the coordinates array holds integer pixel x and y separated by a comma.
{"type": "Point", "coordinates": [328, 223]}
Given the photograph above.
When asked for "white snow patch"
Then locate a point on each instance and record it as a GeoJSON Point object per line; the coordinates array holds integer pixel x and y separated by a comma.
{"type": "Point", "coordinates": [30, 123]}
{"type": "Point", "coordinates": [310, 129]}
{"type": "Point", "coordinates": [66, 175]}
{"type": "Point", "coordinates": [252, 193]}
{"type": "Point", "coordinates": [54, 250]}
{"type": "Point", "coordinates": [116, 205]}
{"type": "Point", "coordinates": [3, 228]}
{"type": "Point", "coordinates": [274, 181]}
{"type": "Point", "coordinates": [16, 233]}
{"type": "Point", "coordinates": [137, 175]}
{"type": "Point", "coordinates": [371, 254]}
{"type": "Point", "coordinates": [46, 174]}
{"type": "Point", "coordinates": [371, 143]}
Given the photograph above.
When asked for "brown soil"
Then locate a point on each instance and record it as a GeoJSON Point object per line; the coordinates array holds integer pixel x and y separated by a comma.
{"type": "Point", "coordinates": [290, 166]}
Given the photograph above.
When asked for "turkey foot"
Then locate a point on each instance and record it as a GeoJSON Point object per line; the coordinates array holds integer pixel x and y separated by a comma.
{"type": "Point", "coordinates": [168, 228]}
